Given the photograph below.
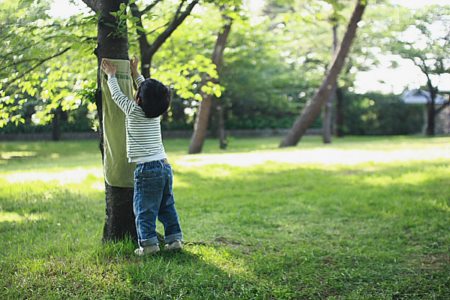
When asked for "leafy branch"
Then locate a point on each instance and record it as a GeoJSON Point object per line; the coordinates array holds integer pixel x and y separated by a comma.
{"type": "Point", "coordinates": [42, 61]}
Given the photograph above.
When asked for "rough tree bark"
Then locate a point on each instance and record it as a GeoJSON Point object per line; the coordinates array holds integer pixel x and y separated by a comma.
{"type": "Point", "coordinates": [313, 108]}
{"type": "Point", "coordinates": [328, 108]}
{"type": "Point", "coordinates": [202, 119]}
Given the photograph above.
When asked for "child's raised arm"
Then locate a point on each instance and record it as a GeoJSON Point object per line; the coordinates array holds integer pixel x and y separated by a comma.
{"type": "Point", "coordinates": [125, 104]}
{"type": "Point", "coordinates": [138, 78]}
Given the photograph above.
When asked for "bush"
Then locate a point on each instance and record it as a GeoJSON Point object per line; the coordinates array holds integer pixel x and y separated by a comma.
{"type": "Point", "coordinates": [379, 114]}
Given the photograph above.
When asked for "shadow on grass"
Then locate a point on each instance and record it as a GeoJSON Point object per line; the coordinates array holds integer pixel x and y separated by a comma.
{"type": "Point", "coordinates": [272, 231]}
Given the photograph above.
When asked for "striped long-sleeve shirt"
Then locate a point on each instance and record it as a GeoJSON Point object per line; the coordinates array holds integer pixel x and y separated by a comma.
{"type": "Point", "coordinates": [144, 142]}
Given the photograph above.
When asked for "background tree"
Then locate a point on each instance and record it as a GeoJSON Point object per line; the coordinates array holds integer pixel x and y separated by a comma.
{"type": "Point", "coordinates": [203, 114]}
{"type": "Point", "coordinates": [429, 50]}
{"type": "Point", "coordinates": [311, 57]}
{"type": "Point", "coordinates": [327, 112]}
{"type": "Point", "coordinates": [312, 109]}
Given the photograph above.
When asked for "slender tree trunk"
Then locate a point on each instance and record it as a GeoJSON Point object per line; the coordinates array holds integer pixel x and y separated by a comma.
{"type": "Point", "coordinates": [146, 63]}
{"type": "Point", "coordinates": [202, 119]}
{"type": "Point", "coordinates": [223, 143]}
{"type": "Point", "coordinates": [339, 112]}
{"type": "Point", "coordinates": [313, 107]}
{"type": "Point", "coordinates": [328, 108]}
{"type": "Point", "coordinates": [201, 124]}
{"type": "Point", "coordinates": [56, 124]}
{"type": "Point", "coordinates": [119, 222]}
{"type": "Point", "coordinates": [327, 118]}
{"type": "Point", "coordinates": [430, 131]}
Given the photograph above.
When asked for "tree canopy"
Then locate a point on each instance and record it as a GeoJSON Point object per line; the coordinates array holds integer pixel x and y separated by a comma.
{"type": "Point", "coordinates": [273, 62]}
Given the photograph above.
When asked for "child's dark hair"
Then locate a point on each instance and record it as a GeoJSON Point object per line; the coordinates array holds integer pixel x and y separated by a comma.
{"type": "Point", "coordinates": [155, 98]}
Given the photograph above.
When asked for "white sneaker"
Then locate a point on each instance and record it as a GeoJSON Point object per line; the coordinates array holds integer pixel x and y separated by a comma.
{"type": "Point", "coordinates": [147, 250]}
{"type": "Point", "coordinates": [175, 245]}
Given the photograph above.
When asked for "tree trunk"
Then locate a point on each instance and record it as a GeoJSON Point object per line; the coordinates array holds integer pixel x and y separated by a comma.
{"type": "Point", "coordinates": [313, 107]}
{"type": "Point", "coordinates": [119, 222]}
{"type": "Point", "coordinates": [327, 118]}
{"type": "Point", "coordinates": [113, 43]}
{"type": "Point", "coordinates": [146, 63]}
{"type": "Point", "coordinates": [202, 119]}
{"type": "Point", "coordinates": [201, 124]}
{"type": "Point", "coordinates": [56, 124]}
{"type": "Point", "coordinates": [144, 46]}
{"type": "Point", "coordinates": [223, 143]}
{"type": "Point", "coordinates": [430, 131]}
{"type": "Point", "coordinates": [339, 112]}
{"type": "Point", "coordinates": [328, 108]}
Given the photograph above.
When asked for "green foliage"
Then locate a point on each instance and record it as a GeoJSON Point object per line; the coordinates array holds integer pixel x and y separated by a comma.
{"type": "Point", "coordinates": [272, 65]}
{"type": "Point", "coordinates": [184, 60]}
{"type": "Point", "coordinates": [260, 92]}
{"type": "Point", "coordinates": [121, 18]}
{"type": "Point", "coordinates": [41, 60]}
{"type": "Point", "coordinates": [303, 32]}
{"type": "Point", "coordinates": [378, 114]}
{"type": "Point", "coordinates": [369, 230]}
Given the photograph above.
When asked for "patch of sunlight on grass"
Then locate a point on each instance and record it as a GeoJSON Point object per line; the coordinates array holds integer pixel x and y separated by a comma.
{"type": "Point", "coordinates": [12, 217]}
{"type": "Point", "coordinates": [414, 178]}
{"type": "Point", "coordinates": [17, 154]}
{"type": "Point", "coordinates": [222, 259]}
{"type": "Point", "coordinates": [316, 156]}
{"type": "Point", "coordinates": [77, 175]}
{"type": "Point", "coordinates": [410, 178]}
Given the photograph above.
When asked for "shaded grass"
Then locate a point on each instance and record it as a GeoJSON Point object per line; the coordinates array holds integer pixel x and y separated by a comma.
{"type": "Point", "coordinates": [267, 231]}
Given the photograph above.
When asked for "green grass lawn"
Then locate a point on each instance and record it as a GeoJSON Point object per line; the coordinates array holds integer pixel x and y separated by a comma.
{"type": "Point", "coordinates": [360, 218]}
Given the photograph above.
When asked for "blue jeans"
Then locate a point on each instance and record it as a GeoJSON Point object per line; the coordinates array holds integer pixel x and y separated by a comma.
{"type": "Point", "coordinates": [153, 198]}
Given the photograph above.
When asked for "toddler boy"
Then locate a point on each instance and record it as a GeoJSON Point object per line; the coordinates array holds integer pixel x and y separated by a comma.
{"type": "Point", "coordinates": [153, 177]}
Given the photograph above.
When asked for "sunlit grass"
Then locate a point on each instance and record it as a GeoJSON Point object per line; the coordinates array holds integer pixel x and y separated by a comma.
{"type": "Point", "coordinates": [76, 175]}
{"type": "Point", "coordinates": [15, 217]}
{"type": "Point", "coordinates": [360, 218]}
